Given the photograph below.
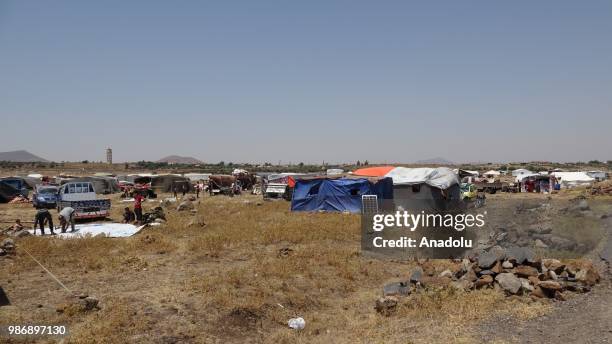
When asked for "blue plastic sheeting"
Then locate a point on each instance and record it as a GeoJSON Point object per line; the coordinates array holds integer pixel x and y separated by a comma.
{"type": "Point", "coordinates": [337, 194]}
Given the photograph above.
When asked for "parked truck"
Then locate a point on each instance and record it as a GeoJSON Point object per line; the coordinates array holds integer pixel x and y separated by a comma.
{"type": "Point", "coordinates": [82, 197]}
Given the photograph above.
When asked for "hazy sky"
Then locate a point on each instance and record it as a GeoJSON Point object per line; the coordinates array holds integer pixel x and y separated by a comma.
{"type": "Point", "coordinates": [307, 80]}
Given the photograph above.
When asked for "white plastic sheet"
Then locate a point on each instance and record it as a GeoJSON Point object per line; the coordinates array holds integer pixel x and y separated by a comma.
{"type": "Point", "coordinates": [441, 177]}
{"type": "Point", "coordinates": [112, 230]}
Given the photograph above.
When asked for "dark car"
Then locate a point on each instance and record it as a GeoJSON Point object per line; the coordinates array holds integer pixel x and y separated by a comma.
{"type": "Point", "coordinates": [45, 196]}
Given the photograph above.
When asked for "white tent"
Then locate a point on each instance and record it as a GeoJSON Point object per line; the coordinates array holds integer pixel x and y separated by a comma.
{"type": "Point", "coordinates": [520, 171]}
{"type": "Point", "coordinates": [440, 177]}
{"type": "Point", "coordinates": [573, 179]}
{"type": "Point", "coordinates": [491, 174]}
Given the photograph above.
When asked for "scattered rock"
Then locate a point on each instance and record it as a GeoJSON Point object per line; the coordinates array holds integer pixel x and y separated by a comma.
{"type": "Point", "coordinates": [588, 276]}
{"type": "Point", "coordinates": [386, 305]}
{"type": "Point", "coordinates": [185, 205]}
{"type": "Point", "coordinates": [509, 282]}
{"type": "Point", "coordinates": [416, 274]}
{"type": "Point", "coordinates": [396, 289]}
{"type": "Point", "coordinates": [507, 265]}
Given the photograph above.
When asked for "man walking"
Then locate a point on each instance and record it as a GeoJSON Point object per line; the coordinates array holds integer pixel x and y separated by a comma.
{"type": "Point", "coordinates": [43, 216]}
{"type": "Point", "coordinates": [66, 216]}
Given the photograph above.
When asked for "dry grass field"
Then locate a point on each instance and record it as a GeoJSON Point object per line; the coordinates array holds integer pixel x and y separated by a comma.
{"type": "Point", "coordinates": [238, 279]}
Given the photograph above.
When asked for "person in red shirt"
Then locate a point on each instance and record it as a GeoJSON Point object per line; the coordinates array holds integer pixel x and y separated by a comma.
{"type": "Point", "coordinates": [138, 206]}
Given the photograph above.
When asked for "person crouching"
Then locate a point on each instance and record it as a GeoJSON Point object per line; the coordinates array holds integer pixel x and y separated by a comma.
{"type": "Point", "coordinates": [66, 216]}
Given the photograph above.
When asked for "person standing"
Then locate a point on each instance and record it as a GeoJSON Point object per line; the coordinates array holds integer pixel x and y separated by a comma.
{"type": "Point", "coordinates": [197, 190]}
{"type": "Point", "coordinates": [42, 217]}
{"type": "Point", "coordinates": [138, 206]}
{"type": "Point", "coordinates": [66, 216]}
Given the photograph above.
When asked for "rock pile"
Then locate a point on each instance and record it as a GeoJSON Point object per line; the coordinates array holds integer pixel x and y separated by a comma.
{"type": "Point", "coordinates": [514, 270]}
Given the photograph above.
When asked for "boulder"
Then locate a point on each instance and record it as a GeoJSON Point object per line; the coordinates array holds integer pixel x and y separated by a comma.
{"type": "Point", "coordinates": [520, 255]}
{"type": "Point", "coordinates": [533, 280]}
{"type": "Point", "coordinates": [553, 264]}
{"type": "Point", "coordinates": [508, 282]}
{"type": "Point", "coordinates": [396, 289]}
{"type": "Point", "coordinates": [540, 244]}
{"type": "Point", "coordinates": [507, 265]}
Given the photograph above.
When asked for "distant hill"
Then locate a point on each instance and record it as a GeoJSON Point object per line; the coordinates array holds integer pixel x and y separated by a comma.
{"type": "Point", "coordinates": [435, 161]}
{"type": "Point", "coordinates": [20, 156]}
{"type": "Point", "coordinates": [176, 159]}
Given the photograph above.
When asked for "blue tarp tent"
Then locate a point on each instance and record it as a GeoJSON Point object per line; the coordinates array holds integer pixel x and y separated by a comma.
{"type": "Point", "coordinates": [343, 194]}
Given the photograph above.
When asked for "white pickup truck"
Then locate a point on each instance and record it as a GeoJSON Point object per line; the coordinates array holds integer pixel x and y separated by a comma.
{"type": "Point", "coordinates": [82, 197]}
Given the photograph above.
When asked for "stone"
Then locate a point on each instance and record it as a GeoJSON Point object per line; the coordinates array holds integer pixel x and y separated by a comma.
{"type": "Point", "coordinates": [525, 271]}
{"type": "Point", "coordinates": [462, 284]}
{"type": "Point", "coordinates": [589, 276]}
{"type": "Point", "coordinates": [518, 255]}
{"type": "Point", "coordinates": [185, 205]}
{"type": "Point", "coordinates": [2, 252]}
{"type": "Point", "coordinates": [507, 265]}
{"type": "Point", "coordinates": [483, 281]}
{"type": "Point", "coordinates": [550, 285]}
{"type": "Point", "coordinates": [553, 264]}
{"type": "Point", "coordinates": [508, 282]}
{"type": "Point", "coordinates": [446, 273]}
{"type": "Point", "coordinates": [386, 305]}
{"type": "Point", "coordinates": [486, 272]}
{"type": "Point", "coordinates": [497, 268]}
{"type": "Point", "coordinates": [539, 292]}
{"type": "Point", "coordinates": [416, 274]}
{"type": "Point", "coordinates": [540, 244]}
{"type": "Point", "coordinates": [486, 260]}
{"type": "Point", "coordinates": [470, 276]}
{"type": "Point", "coordinates": [396, 289]}
{"type": "Point", "coordinates": [525, 285]}
{"type": "Point", "coordinates": [533, 280]}
{"type": "Point", "coordinates": [552, 275]}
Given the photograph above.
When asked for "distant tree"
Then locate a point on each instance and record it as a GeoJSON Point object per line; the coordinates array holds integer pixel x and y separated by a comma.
{"type": "Point", "coordinates": [366, 163]}
{"type": "Point", "coordinates": [85, 161]}
{"type": "Point", "coordinates": [301, 164]}
{"type": "Point", "coordinates": [595, 162]}
{"type": "Point", "coordinates": [221, 163]}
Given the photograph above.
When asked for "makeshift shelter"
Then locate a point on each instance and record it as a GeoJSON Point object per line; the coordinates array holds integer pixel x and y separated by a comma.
{"type": "Point", "coordinates": [420, 188]}
{"type": "Point", "coordinates": [340, 194]}
{"type": "Point", "coordinates": [572, 179]}
{"type": "Point", "coordinates": [18, 183]}
{"type": "Point", "coordinates": [194, 177]}
{"type": "Point", "coordinates": [166, 182]}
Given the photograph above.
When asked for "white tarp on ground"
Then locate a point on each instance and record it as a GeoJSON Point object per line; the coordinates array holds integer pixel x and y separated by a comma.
{"type": "Point", "coordinates": [570, 179]}
{"type": "Point", "coordinates": [112, 230]}
{"type": "Point", "coordinates": [441, 177]}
